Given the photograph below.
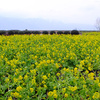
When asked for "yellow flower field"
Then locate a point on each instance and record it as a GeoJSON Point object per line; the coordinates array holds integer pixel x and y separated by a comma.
{"type": "Point", "coordinates": [50, 67]}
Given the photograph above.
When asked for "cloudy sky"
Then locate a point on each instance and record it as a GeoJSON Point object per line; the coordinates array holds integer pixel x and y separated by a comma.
{"type": "Point", "coordinates": [81, 14]}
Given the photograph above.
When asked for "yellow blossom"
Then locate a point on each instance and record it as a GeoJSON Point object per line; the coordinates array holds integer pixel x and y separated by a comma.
{"type": "Point", "coordinates": [50, 93]}
{"type": "Point", "coordinates": [96, 95]}
{"type": "Point", "coordinates": [75, 70]}
{"type": "Point", "coordinates": [48, 61]}
{"type": "Point", "coordinates": [86, 71]}
{"type": "Point", "coordinates": [91, 76]}
{"type": "Point", "coordinates": [59, 59]}
{"type": "Point", "coordinates": [82, 62]}
{"type": "Point", "coordinates": [15, 80]}
{"type": "Point", "coordinates": [64, 69]}
{"type": "Point", "coordinates": [28, 97]}
{"type": "Point", "coordinates": [66, 95]}
{"type": "Point", "coordinates": [90, 68]}
{"type": "Point", "coordinates": [57, 66]}
{"type": "Point", "coordinates": [16, 94]}
{"type": "Point", "coordinates": [54, 91]}
{"type": "Point", "coordinates": [84, 86]}
{"type": "Point", "coordinates": [58, 74]}
{"type": "Point", "coordinates": [20, 77]}
{"type": "Point", "coordinates": [49, 75]}
{"type": "Point", "coordinates": [44, 77]}
{"type": "Point", "coordinates": [17, 70]}
{"type": "Point", "coordinates": [35, 57]}
{"type": "Point", "coordinates": [72, 88]}
{"type": "Point", "coordinates": [43, 82]}
{"type": "Point", "coordinates": [63, 90]}
{"type": "Point", "coordinates": [45, 86]}
{"type": "Point", "coordinates": [19, 88]}
{"type": "Point", "coordinates": [99, 84]}
{"type": "Point", "coordinates": [20, 68]}
{"type": "Point", "coordinates": [43, 98]}
{"type": "Point", "coordinates": [67, 70]}
{"type": "Point", "coordinates": [33, 81]}
{"type": "Point", "coordinates": [54, 87]}
{"type": "Point", "coordinates": [97, 80]}
{"type": "Point", "coordinates": [31, 89]}
{"type": "Point", "coordinates": [25, 77]}
{"type": "Point", "coordinates": [10, 98]}
{"type": "Point", "coordinates": [55, 95]}
{"type": "Point", "coordinates": [36, 63]}
{"type": "Point", "coordinates": [52, 61]}
{"type": "Point", "coordinates": [7, 80]}
{"type": "Point", "coordinates": [33, 71]}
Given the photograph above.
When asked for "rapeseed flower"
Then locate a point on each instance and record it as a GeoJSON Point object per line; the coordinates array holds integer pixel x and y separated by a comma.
{"type": "Point", "coordinates": [48, 74]}
{"type": "Point", "coordinates": [91, 76]}
{"type": "Point", "coordinates": [52, 61]}
{"type": "Point", "coordinates": [25, 77]}
{"type": "Point", "coordinates": [44, 77]}
{"type": "Point", "coordinates": [97, 80]}
{"type": "Point", "coordinates": [15, 80]}
{"type": "Point", "coordinates": [54, 87]}
{"type": "Point", "coordinates": [20, 77]}
{"type": "Point", "coordinates": [43, 82]}
{"type": "Point", "coordinates": [90, 68]}
{"type": "Point", "coordinates": [33, 81]}
{"type": "Point", "coordinates": [84, 86]}
{"type": "Point", "coordinates": [50, 93]}
{"type": "Point", "coordinates": [99, 84]}
{"type": "Point", "coordinates": [31, 89]}
{"type": "Point", "coordinates": [66, 95]}
{"type": "Point", "coordinates": [63, 90]}
{"type": "Point", "coordinates": [72, 88]}
{"type": "Point", "coordinates": [86, 71]}
{"type": "Point", "coordinates": [58, 74]}
{"type": "Point", "coordinates": [17, 95]}
{"type": "Point", "coordinates": [57, 66]}
{"type": "Point", "coordinates": [55, 95]}
{"type": "Point", "coordinates": [19, 88]}
{"type": "Point", "coordinates": [45, 86]}
{"type": "Point", "coordinates": [7, 80]}
{"type": "Point", "coordinates": [96, 95]}
{"type": "Point", "coordinates": [48, 61]}
{"type": "Point", "coordinates": [67, 70]}
{"type": "Point", "coordinates": [75, 70]}
{"type": "Point", "coordinates": [10, 98]}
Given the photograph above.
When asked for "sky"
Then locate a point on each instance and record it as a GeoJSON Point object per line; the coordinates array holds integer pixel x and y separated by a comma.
{"type": "Point", "coordinates": [80, 14]}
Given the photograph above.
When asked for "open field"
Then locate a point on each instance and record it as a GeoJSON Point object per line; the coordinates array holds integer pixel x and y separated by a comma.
{"type": "Point", "coordinates": [50, 67]}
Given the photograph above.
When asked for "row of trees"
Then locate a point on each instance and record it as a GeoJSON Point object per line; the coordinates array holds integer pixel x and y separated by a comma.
{"type": "Point", "coordinates": [12, 32]}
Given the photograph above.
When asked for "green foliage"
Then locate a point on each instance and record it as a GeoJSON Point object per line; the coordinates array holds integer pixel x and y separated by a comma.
{"type": "Point", "coordinates": [74, 32]}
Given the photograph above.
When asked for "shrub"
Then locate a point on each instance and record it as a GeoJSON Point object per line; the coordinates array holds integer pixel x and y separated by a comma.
{"type": "Point", "coordinates": [36, 32]}
{"type": "Point", "coordinates": [21, 33]}
{"type": "Point", "coordinates": [2, 32]}
{"type": "Point", "coordinates": [52, 32]}
{"type": "Point", "coordinates": [66, 32]}
{"type": "Point", "coordinates": [27, 32]}
{"type": "Point", "coordinates": [59, 32]}
{"type": "Point", "coordinates": [74, 32]}
{"type": "Point", "coordinates": [10, 32]}
{"type": "Point", "coordinates": [16, 31]}
{"type": "Point", "coordinates": [45, 32]}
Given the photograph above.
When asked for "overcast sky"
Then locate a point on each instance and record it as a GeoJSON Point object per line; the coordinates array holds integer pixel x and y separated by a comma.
{"type": "Point", "coordinates": [64, 11]}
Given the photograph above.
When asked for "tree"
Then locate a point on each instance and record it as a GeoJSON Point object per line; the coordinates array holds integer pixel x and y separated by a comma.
{"type": "Point", "coordinates": [98, 23]}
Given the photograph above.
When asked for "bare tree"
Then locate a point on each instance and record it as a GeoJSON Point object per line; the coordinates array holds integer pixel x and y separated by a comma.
{"type": "Point", "coordinates": [98, 24]}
